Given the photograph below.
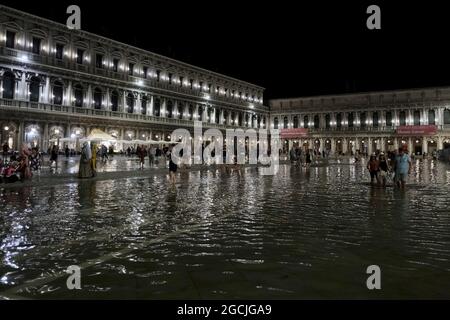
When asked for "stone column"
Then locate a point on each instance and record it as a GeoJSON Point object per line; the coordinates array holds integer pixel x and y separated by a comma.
{"type": "Point", "coordinates": [369, 146]}
{"type": "Point", "coordinates": [163, 107]}
{"type": "Point", "coordinates": [440, 143]}
{"type": "Point", "coordinates": [410, 146]}
{"type": "Point", "coordinates": [46, 138]}
{"type": "Point", "coordinates": [382, 144]}
{"type": "Point", "coordinates": [424, 145]}
{"type": "Point", "coordinates": [150, 107]}
{"type": "Point", "coordinates": [68, 98]}
{"type": "Point", "coordinates": [20, 135]}
{"type": "Point", "coordinates": [344, 145]}
{"type": "Point", "coordinates": [396, 143]}
{"type": "Point", "coordinates": [333, 146]}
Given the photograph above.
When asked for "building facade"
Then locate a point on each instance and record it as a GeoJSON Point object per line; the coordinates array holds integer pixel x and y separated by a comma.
{"type": "Point", "coordinates": [366, 122]}
{"type": "Point", "coordinates": [58, 84]}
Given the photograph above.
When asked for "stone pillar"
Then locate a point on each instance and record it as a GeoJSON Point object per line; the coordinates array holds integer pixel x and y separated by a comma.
{"type": "Point", "coordinates": [396, 143]}
{"type": "Point", "coordinates": [383, 144]}
{"type": "Point", "coordinates": [410, 146]}
{"type": "Point", "coordinates": [45, 137]}
{"type": "Point", "coordinates": [89, 97]}
{"type": "Point", "coordinates": [440, 143]}
{"type": "Point", "coordinates": [333, 146]}
{"type": "Point", "coordinates": [138, 104]}
{"type": "Point", "coordinates": [344, 145]}
{"type": "Point", "coordinates": [68, 95]}
{"type": "Point", "coordinates": [357, 146]}
{"type": "Point", "coordinates": [150, 107]}
{"type": "Point", "coordinates": [20, 136]}
{"type": "Point", "coordinates": [369, 146]}
{"type": "Point", "coordinates": [424, 145]}
{"type": "Point", "coordinates": [107, 100]}
{"type": "Point", "coordinates": [163, 107]}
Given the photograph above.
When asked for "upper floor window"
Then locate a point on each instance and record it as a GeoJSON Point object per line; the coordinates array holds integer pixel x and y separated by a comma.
{"type": "Point", "coordinates": [338, 120]}
{"type": "Point", "coordinates": [327, 121]}
{"type": "Point", "coordinates": [80, 56]}
{"type": "Point", "coordinates": [99, 61]}
{"type": "Point", "coordinates": [402, 118]}
{"type": "Point", "coordinates": [316, 122]}
{"type": "Point", "coordinates": [275, 123]}
{"type": "Point", "coordinates": [59, 51]}
{"type": "Point", "coordinates": [10, 39]}
{"type": "Point", "coordinates": [305, 122]}
{"type": "Point", "coordinates": [295, 122]}
{"type": "Point", "coordinates": [350, 120]}
{"type": "Point", "coordinates": [35, 85]}
{"type": "Point", "coordinates": [181, 81]}
{"type": "Point", "coordinates": [115, 64]}
{"type": "Point", "coordinates": [375, 119]}
{"type": "Point", "coordinates": [431, 117]}
{"type": "Point", "coordinates": [417, 118]}
{"type": "Point", "coordinates": [285, 123]}
{"type": "Point", "coordinates": [363, 120]}
{"type": "Point", "coordinates": [36, 45]}
{"type": "Point", "coordinates": [158, 75]}
{"type": "Point", "coordinates": [130, 69]}
{"type": "Point", "coordinates": [9, 85]}
{"type": "Point", "coordinates": [191, 83]}
{"type": "Point", "coordinates": [446, 116]}
{"type": "Point", "coordinates": [145, 70]}
{"type": "Point", "coordinates": [170, 78]}
{"type": "Point", "coordinates": [389, 119]}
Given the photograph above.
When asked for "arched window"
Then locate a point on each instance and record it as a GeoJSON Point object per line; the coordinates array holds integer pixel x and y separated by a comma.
{"type": "Point", "coordinates": [305, 122]}
{"type": "Point", "coordinates": [417, 118]}
{"type": "Point", "coordinates": [446, 116]}
{"type": "Point", "coordinates": [350, 120]}
{"type": "Point", "coordinates": [97, 98]}
{"type": "Point", "coordinates": [130, 103]}
{"type": "Point", "coordinates": [208, 114]}
{"type": "Point", "coordinates": [233, 118]}
{"type": "Point", "coordinates": [295, 122]}
{"type": "Point", "coordinates": [327, 121]}
{"type": "Point", "coordinates": [78, 95]}
{"type": "Point", "coordinates": [389, 119]}
{"type": "Point", "coordinates": [375, 119]}
{"type": "Point", "coordinates": [339, 120]}
{"type": "Point", "coordinates": [157, 107]}
{"type": "Point", "coordinates": [431, 117]}
{"type": "Point", "coordinates": [246, 119]}
{"type": "Point", "coordinates": [144, 105]}
{"type": "Point", "coordinates": [169, 111]}
{"type": "Point", "coordinates": [114, 101]}
{"type": "Point", "coordinates": [402, 118]}
{"type": "Point", "coordinates": [363, 119]}
{"type": "Point", "coordinates": [191, 112]}
{"type": "Point", "coordinates": [285, 122]}
{"type": "Point", "coordinates": [316, 122]}
{"type": "Point", "coordinates": [9, 84]}
{"type": "Point", "coordinates": [275, 123]}
{"type": "Point", "coordinates": [240, 119]}
{"type": "Point", "coordinates": [35, 86]}
{"type": "Point", "coordinates": [225, 116]}
{"type": "Point", "coordinates": [57, 93]}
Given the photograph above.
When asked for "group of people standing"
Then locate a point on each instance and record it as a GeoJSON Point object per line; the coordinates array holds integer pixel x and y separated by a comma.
{"type": "Point", "coordinates": [397, 164]}
{"type": "Point", "coordinates": [301, 158]}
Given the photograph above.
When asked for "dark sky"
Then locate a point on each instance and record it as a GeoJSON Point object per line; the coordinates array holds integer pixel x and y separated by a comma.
{"type": "Point", "coordinates": [290, 49]}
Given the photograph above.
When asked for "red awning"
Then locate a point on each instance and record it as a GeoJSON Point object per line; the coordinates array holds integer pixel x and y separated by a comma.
{"type": "Point", "coordinates": [293, 133]}
{"type": "Point", "coordinates": [428, 130]}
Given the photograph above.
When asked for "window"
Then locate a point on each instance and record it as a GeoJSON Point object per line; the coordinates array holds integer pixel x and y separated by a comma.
{"type": "Point", "coordinates": [145, 70]}
{"type": "Point", "coordinates": [295, 122]}
{"type": "Point", "coordinates": [375, 119]}
{"type": "Point", "coordinates": [446, 116]}
{"type": "Point", "coordinates": [10, 39]}
{"type": "Point", "coordinates": [180, 111]}
{"type": "Point", "coordinates": [169, 111]}
{"type": "Point", "coordinates": [130, 103]}
{"type": "Point", "coordinates": [181, 81]}
{"type": "Point", "coordinates": [158, 75]}
{"type": "Point", "coordinates": [170, 78]}
{"type": "Point", "coordinates": [327, 121]}
{"type": "Point", "coordinates": [78, 94]}
{"type": "Point", "coordinates": [417, 118]}
{"type": "Point", "coordinates": [200, 113]}
{"type": "Point", "coordinates": [59, 51]}
{"type": "Point", "coordinates": [275, 123]}
{"type": "Point", "coordinates": [191, 112]}
{"type": "Point", "coordinates": [363, 120]}
{"type": "Point", "coordinates": [285, 123]}
{"type": "Point", "coordinates": [80, 56]}
{"type": "Point", "coordinates": [9, 84]}
{"type": "Point", "coordinates": [115, 64]}
{"type": "Point", "coordinates": [114, 101]}
{"type": "Point", "coordinates": [99, 61]}
{"type": "Point", "coordinates": [339, 120]}
{"type": "Point", "coordinates": [97, 98]}
{"type": "Point", "coordinates": [217, 116]}
{"type": "Point", "coordinates": [431, 117]}
{"type": "Point", "coordinates": [316, 122]}
{"type": "Point", "coordinates": [57, 93]}
{"type": "Point", "coordinates": [130, 69]}
{"type": "Point", "coordinates": [305, 122]}
{"type": "Point", "coordinates": [402, 118]}
{"type": "Point", "coordinates": [389, 119]}
{"type": "Point", "coordinates": [156, 107]}
{"type": "Point", "coordinates": [35, 85]}
{"type": "Point", "coordinates": [36, 45]}
{"type": "Point", "coordinates": [144, 104]}
{"type": "Point", "coordinates": [191, 83]}
{"type": "Point", "coordinates": [350, 120]}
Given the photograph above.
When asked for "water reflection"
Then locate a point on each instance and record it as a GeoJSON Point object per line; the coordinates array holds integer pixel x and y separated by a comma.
{"type": "Point", "coordinates": [304, 233]}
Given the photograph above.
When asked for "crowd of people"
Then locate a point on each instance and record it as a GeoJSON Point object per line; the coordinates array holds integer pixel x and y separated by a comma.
{"type": "Point", "coordinates": [19, 166]}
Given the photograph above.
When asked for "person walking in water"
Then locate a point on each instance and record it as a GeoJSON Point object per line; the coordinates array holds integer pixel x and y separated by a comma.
{"type": "Point", "coordinates": [54, 156]}
{"type": "Point", "coordinates": [85, 170]}
{"type": "Point", "coordinates": [141, 154]}
{"type": "Point", "coordinates": [384, 169]}
{"type": "Point", "coordinates": [373, 167]}
{"type": "Point", "coordinates": [402, 167]}
{"type": "Point", "coordinates": [172, 167]}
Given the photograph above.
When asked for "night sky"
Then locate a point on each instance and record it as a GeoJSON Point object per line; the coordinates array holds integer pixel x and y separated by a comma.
{"type": "Point", "coordinates": [291, 50]}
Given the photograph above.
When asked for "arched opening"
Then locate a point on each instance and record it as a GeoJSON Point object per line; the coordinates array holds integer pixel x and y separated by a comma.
{"type": "Point", "coordinates": [57, 93]}
{"type": "Point", "coordinates": [225, 117]}
{"type": "Point", "coordinates": [363, 120]}
{"type": "Point", "coordinates": [200, 113]}
{"type": "Point", "coordinates": [305, 122]}
{"type": "Point", "coordinates": [35, 86]}
{"type": "Point", "coordinates": [180, 110]}
{"type": "Point", "coordinates": [130, 103]}
{"type": "Point", "coordinates": [275, 123]}
{"type": "Point", "coordinates": [78, 95]}
{"type": "Point", "coordinates": [97, 98]}
{"type": "Point", "coordinates": [233, 118]}
{"type": "Point", "coordinates": [144, 101]}
{"type": "Point", "coordinates": [9, 84]}
{"type": "Point", "coordinates": [389, 119]}
{"type": "Point", "coordinates": [285, 122]}
{"type": "Point", "coordinates": [339, 120]}
{"type": "Point", "coordinates": [350, 120]}
{"type": "Point", "coordinates": [327, 121]}
{"type": "Point", "coordinates": [191, 112]}
{"type": "Point", "coordinates": [114, 101]}
{"type": "Point", "coordinates": [240, 119]}
{"type": "Point", "coordinates": [217, 116]}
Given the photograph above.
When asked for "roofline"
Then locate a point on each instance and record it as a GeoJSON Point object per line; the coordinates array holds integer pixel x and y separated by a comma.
{"type": "Point", "coordinates": [359, 93]}
{"type": "Point", "coordinates": [130, 46]}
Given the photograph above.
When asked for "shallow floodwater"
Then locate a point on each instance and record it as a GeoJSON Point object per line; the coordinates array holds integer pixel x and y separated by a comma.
{"type": "Point", "coordinates": [299, 234]}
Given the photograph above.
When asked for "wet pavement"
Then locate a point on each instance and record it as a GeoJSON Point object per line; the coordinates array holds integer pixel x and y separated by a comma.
{"type": "Point", "coordinates": [299, 234]}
